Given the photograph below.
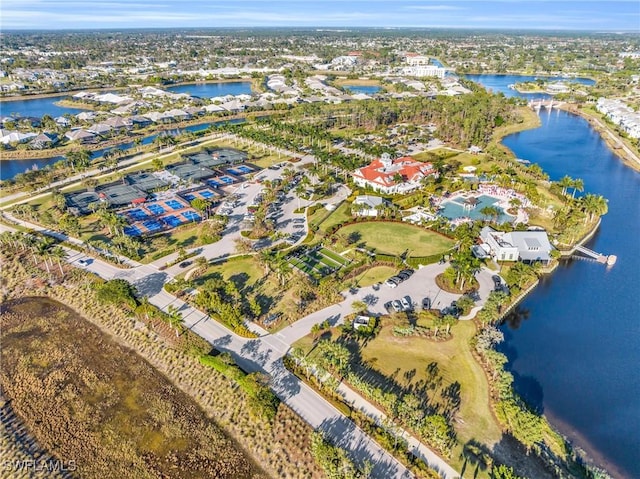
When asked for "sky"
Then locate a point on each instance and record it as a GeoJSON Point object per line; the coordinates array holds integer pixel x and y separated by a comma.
{"type": "Point", "coordinates": [592, 15]}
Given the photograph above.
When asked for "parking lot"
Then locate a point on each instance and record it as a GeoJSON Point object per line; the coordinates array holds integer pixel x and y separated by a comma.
{"type": "Point", "coordinates": [420, 285]}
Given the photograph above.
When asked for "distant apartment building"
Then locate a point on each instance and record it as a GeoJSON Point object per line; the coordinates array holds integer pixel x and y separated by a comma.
{"type": "Point", "coordinates": [390, 176]}
{"type": "Point", "coordinates": [620, 114]}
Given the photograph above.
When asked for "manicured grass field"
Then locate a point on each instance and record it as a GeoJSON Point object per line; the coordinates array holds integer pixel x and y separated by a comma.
{"type": "Point", "coordinates": [328, 219]}
{"type": "Point", "coordinates": [395, 238]}
{"type": "Point", "coordinates": [377, 274]}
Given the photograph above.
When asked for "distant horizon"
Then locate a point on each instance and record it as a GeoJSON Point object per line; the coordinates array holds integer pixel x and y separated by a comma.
{"type": "Point", "coordinates": [528, 15]}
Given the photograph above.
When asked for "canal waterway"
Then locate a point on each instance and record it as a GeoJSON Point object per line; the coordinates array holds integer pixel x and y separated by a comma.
{"type": "Point", "coordinates": [574, 344]}
{"type": "Point", "coordinates": [10, 168]}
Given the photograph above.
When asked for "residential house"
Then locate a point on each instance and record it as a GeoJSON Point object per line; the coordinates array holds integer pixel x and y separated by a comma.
{"type": "Point", "coordinates": [80, 135]}
{"type": "Point", "coordinates": [44, 140]}
{"type": "Point", "coordinates": [390, 176]}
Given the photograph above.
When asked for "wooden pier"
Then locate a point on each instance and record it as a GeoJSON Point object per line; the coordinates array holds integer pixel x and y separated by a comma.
{"type": "Point", "coordinates": [609, 260]}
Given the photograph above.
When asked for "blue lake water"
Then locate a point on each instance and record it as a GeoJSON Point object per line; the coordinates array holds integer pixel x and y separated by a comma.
{"type": "Point", "coordinates": [10, 168]}
{"type": "Point", "coordinates": [37, 107]}
{"type": "Point", "coordinates": [366, 89]}
{"type": "Point", "coordinates": [500, 83]}
{"type": "Point", "coordinates": [575, 346]}
{"type": "Point", "coordinates": [210, 90]}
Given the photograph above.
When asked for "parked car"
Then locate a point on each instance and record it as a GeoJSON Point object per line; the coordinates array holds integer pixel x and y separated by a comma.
{"type": "Point", "coordinates": [84, 262]}
{"type": "Point", "coordinates": [407, 304]}
{"type": "Point", "coordinates": [408, 272]}
{"type": "Point", "coordinates": [388, 306]}
{"type": "Point", "coordinates": [392, 282]}
{"type": "Point", "coordinates": [426, 303]}
{"type": "Point", "coordinates": [497, 281]}
{"type": "Point", "coordinates": [397, 305]}
{"type": "Point", "coordinates": [403, 276]}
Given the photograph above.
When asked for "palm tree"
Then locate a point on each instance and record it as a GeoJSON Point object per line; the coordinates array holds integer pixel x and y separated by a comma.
{"type": "Point", "coordinates": [59, 253]}
{"type": "Point", "coordinates": [174, 317]}
{"type": "Point", "coordinates": [594, 205]}
{"type": "Point", "coordinates": [577, 185]}
{"type": "Point", "coordinates": [565, 182]}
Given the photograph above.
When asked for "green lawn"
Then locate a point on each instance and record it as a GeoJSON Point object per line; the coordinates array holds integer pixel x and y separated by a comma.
{"type": "Point", "coordinates": [341, 214]}
{"type": "Point", "coordinates": [406, 359]}
{"type": "Point", "coordinates": [395, 238]}
{"type": "Point", "coordinates": [377, 274]}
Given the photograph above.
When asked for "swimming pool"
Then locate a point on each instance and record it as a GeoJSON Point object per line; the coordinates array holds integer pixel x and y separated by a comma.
{"type": "Point", "coordinates": [454, 209]}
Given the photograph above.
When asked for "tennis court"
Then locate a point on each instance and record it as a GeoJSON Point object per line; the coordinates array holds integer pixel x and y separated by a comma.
{"type": "Point", "coordinates": [146, 181]}
{"type": "Point", "coordinates": [174, 204]}
{"type": "Point", "coordinates": [214, 183]}
{"type": "Point", "coordinates": [153, 225]}
{"type": "Point", "coordinates": [172, 221]}
{"type": "Point", "coordinates": [191, 216]}
{"type": "Point", "coordinates": [190, 172]}
{"type": "Point", "coordinates": [132, 230]}
{"type": "Point", "coordinates": [189, 197]}
{"type": "Point", "coordinates": [227, 180]}
{"type": "Point", "coordinates": [240, 170]}
{"type": "Point", "coordinates": [156, 209]}
{"type": "Point", "coordinates": [81, 202]}
{"type": "Point", "coordinates": [206, 194]}
{"type": "Point", "coordinates": [136, 214]}
{"type": "Point", "coordinates": [120, 195]}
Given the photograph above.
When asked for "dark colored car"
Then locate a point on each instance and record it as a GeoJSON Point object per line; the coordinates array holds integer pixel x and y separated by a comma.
{"type": "Point", "coordinates": [426, 303]}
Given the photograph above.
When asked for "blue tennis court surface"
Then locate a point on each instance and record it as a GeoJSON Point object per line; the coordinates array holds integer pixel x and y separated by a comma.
{"type": "Point", "coordinates": [206, 194]}
{"type": "Point", "coordinates": [152, 225]}
{"type": "Point", "coordinates": [191, 216]}
{"type": "Point", "coordinates": [226, 179]}
{"type": "Point", "coordinates": [174, 204]}
{"type": "Point", "coordinates": [137, 214]}
{"type": "Point", "coordinates": [172, 221]}
{"type": "Point", "coordinates": [132, 231]}
{"type": "Point", "coordinates": [242, 169]}
{"type": "Point", "coordinates": [189, 197]}
{"type": "Point", "coordinates": [214, 183]}
{"type": "Point", "coordinates": [156, 209]}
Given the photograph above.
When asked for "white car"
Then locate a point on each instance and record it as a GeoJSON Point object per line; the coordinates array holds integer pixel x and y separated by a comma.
{"type": "Point", "coordinates": [83, 262]}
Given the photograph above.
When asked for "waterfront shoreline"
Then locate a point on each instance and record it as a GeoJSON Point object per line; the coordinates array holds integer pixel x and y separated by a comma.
{"type": "Point", "coordinates": [632, 160]}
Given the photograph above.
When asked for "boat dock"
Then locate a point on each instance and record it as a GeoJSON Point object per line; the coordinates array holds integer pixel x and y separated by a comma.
{"type": "Point", "coordinates": [609, 260]}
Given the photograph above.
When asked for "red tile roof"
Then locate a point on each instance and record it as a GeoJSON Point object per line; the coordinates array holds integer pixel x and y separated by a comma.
{"type": "Point", "coordinates": [410, 169]}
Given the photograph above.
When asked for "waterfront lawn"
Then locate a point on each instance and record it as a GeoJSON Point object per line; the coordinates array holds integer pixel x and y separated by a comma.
{"type": "Point", "coordinates": [408, 362]}
{"type": "Point", "coordinates": [396, 238]}
{"type": "Point", "coordinates": [394, 356]}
